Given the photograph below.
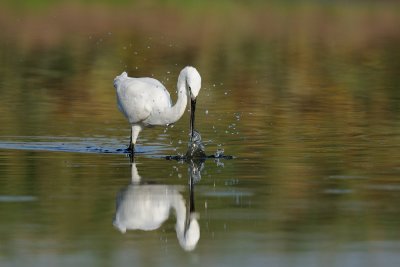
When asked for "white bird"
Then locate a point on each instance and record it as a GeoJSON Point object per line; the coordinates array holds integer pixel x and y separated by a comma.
{"type": "Point", "coordinates": [146, 101]}
{"type": "Point", "coordinates": [147, 206]}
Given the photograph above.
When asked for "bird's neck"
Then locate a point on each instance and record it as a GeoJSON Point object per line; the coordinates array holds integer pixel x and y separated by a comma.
{"type": "Point", "coordinates": [135, 177]}
{"type": "Point", "coordinates": [176, 111]}
{"type": "Point", "coordinates": [179, 206]}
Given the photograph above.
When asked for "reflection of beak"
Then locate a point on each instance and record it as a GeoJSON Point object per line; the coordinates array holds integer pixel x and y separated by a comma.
{"type": "Point", "coordinates": [191, 213]}
{"type": "Point", "coordinates": [192, 111]}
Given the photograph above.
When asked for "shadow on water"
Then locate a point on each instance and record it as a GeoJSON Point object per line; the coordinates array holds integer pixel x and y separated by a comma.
{"type": "Point", "coordinates": [145, 206]}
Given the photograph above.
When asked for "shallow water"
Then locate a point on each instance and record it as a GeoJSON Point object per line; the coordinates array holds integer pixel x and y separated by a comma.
{"type": "Point", "coordinates": [314, 135]}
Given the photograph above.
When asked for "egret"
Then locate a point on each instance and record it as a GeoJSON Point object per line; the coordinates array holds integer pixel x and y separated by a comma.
{"type": "Point", "coordinates": [146, 102]}
{"type": "Point", "coordinates": [142, 206]}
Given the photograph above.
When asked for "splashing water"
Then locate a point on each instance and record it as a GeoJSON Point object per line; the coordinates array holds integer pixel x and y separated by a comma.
{"type": "Point", "coordinates": [195, 168]}
{"type": "Point", "coordinates": [196, 151]}
{"type": "Point", "coordinates": [195, 147]}
{"type": "Point", "coordinates": [219, 153]}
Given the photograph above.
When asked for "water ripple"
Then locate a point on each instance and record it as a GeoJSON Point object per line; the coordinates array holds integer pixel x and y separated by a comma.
{"type": "Point", "coordinates": [74, 144]}
{"type": "Point", "coordinates": [7, 198]}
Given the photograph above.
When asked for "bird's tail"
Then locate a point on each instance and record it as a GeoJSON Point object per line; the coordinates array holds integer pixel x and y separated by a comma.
{"type": "Point", "coordinates": [119, 79]}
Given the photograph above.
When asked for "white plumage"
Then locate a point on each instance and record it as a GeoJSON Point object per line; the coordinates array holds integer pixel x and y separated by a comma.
{"type": "Point", "coordinates": [147, 206]}
{"type": "Point", "coordinates": [146, 102]}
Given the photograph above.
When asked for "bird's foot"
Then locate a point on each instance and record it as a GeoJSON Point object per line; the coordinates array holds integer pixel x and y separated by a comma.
{"type": "Point", "coordinates": [131, 149]}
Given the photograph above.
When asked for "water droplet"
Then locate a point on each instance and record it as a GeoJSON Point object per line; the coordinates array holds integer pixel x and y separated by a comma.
{"type": "Point", "coordinates": [219, 153]}
{"type": "Point", "coordinates": [219, 163]}
{"type": "Point", "coordinates": [237, 116]}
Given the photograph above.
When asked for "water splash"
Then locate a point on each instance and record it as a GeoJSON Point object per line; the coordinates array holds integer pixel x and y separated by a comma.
{"type": "Point", "coordinates": [219, 153]}
{"type": "Point", "coordinates": [195, 148]}
{"type": "Point", "coordinates": [196, 151]}
{"type": "Point", "coordinates": [195, 168]}
{"type": "Point", "coordinates": [237, 115]}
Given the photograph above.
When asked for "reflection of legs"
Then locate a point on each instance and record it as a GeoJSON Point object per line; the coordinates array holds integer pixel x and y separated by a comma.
{"type": "Point", "coordinates": [135, 130]}
{"type": "Point", "coordinates": [131, 147]}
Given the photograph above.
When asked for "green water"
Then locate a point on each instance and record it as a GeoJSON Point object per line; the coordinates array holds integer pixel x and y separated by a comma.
{"type": "Point", "coordinates": [312, 120]}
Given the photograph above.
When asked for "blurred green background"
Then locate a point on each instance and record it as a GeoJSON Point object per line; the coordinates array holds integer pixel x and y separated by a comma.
{"type": "Point", "coordinates": [306, 94]}
{"type": "Point", "coordinates": [313, 50]}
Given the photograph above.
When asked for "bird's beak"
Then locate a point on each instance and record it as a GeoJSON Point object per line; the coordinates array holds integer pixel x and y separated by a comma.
{"type": "Point", "coordinates": [192, 111]}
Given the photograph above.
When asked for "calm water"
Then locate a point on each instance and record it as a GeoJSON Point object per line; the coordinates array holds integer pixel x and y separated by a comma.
{"type": "Point", "coordinates": [315, 133]}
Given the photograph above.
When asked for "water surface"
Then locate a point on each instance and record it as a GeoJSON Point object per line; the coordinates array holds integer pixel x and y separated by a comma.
{"type": "Point", "coordinates": [313, 125]}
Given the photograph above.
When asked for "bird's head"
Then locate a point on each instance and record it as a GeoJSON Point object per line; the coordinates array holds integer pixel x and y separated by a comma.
{"type": "Point", "coordinates": [193, 85]}
{"type": "Point", "coordinates": [193, 81]}
{"type": "Point", "coordinates": [191, 234]}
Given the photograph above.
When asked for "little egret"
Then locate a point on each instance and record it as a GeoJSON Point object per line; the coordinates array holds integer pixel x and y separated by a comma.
{"type": "Point", "coordinates": [146, 101]}
{"type": "Point", "coordinates": [143, 206]}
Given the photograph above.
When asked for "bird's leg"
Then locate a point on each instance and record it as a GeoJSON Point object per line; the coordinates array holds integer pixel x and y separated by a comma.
{"type": "Point", "coordinates": [131, 147]}
{"type": "Point", "coordinates": [135, 130]}
{"type": "Point", "coordinates": [131, 157]}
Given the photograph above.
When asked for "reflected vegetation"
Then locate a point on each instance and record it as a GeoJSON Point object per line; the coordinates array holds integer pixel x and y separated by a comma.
{"type": "Point", "coordinates": [304, 95]}
{"type": "Point", "coordinates": [145, 206]}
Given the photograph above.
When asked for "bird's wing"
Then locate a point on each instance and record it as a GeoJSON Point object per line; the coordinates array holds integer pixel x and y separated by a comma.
{"type": "Point", "coordinates": [142, 100]}
{"type": "Point", "coordinates": [133, 95]}
{"type": "Point", "coordinates": [157, 84]}
{"type": "Point", "coordinates": [151, 81]}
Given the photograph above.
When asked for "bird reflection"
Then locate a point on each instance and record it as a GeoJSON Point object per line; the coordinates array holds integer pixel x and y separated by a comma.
{"type": "Point", "coordinates": [146, 207]}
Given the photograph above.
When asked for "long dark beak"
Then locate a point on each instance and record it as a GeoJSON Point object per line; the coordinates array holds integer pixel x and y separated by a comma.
{"type": "Point", "coordinates": [192, 111]}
